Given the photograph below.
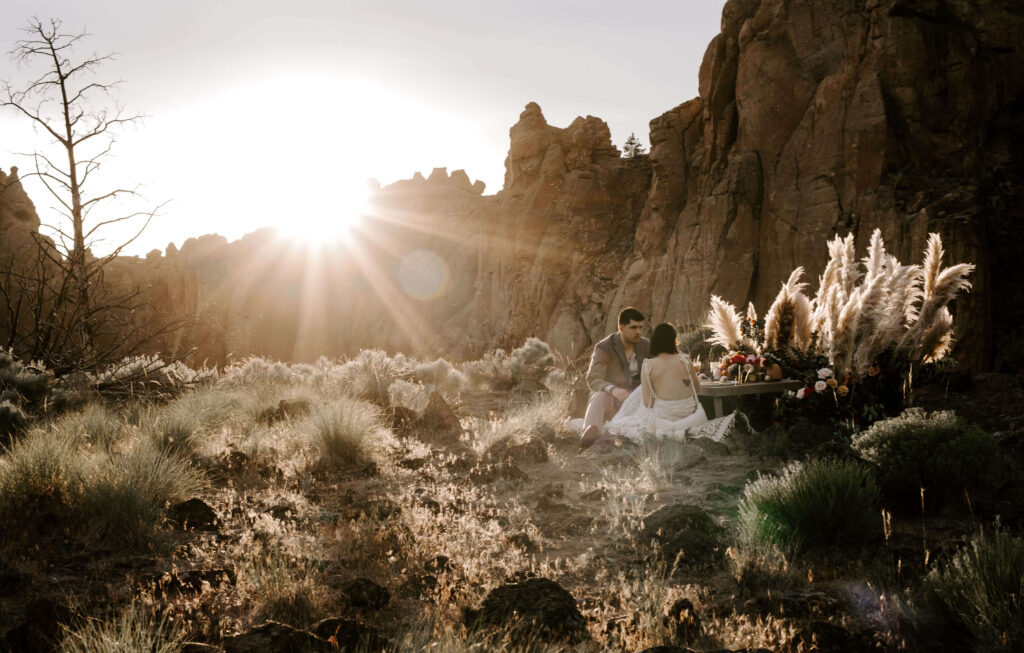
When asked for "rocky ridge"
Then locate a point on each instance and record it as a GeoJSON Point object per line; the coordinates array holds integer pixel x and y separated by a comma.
{"type": "Point", "coordinates": [813, 119]}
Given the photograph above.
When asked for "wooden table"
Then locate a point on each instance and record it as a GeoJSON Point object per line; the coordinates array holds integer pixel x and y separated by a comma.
{"type": "Point", "coordinates": [718, 390]}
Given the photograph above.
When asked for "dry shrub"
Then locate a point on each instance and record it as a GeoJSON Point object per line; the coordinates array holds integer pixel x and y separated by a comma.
{"type": "Point", "coordinates": [823, 502]}
{"type": "Point", "coordinates": [982, 588]}
{"type": "Point", "coordinates": [937, 451]}
{"type": "Point", "coordinates": [524, 368]}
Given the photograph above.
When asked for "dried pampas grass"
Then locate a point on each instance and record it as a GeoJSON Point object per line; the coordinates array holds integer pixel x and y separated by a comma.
{"type": "Point", "coordinates": [725, 324]}
{"type": "Point", "coordinates": [858, 315]}
{"type": "Point", "coordinates": [929, 334]}
{"type": "Point", "coordinates": [789, 320]}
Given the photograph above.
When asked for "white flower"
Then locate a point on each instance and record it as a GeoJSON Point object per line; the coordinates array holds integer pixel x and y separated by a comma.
{"type": "Point", "coordinates": [824, 373]}
{"type": "Point", "coordinates": [801, 393]}
{"type": "Point", "coordinates": [820, 386]}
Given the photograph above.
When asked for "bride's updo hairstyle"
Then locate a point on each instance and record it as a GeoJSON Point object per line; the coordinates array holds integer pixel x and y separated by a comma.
{"type": "Point", "coordinates": [663, 340]}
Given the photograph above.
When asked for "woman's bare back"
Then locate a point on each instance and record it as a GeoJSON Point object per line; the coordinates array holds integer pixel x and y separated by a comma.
{"type": "Point", "coordinates": [670, 377]}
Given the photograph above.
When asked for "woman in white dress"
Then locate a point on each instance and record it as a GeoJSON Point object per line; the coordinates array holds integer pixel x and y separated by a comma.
{"type": "Point", "coordinates": [666, 402]}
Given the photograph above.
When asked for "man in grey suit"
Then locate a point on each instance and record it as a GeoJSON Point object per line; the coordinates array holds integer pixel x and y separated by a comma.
{"type": "Point", "coordinates": [614, 372]}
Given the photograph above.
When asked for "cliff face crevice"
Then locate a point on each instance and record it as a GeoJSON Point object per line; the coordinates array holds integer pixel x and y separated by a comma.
{"type": "Point", "coordinates": [814, 118]}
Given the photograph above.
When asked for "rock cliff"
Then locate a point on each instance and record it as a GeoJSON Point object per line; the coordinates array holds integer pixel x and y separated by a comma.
{"type": "Point", "coordinates": [17, 212]}
{"type": "Point", "coordinates": [814, 118]}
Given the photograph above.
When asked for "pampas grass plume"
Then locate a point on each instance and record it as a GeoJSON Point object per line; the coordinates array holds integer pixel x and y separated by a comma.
{"type": "Point", "coordinates": [724, 323]}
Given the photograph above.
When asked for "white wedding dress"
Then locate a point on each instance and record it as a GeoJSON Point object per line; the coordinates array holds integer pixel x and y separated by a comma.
{"type": "Point", "coordinates": [665, 418]}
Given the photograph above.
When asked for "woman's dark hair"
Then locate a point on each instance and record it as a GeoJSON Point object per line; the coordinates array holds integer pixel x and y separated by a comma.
{"type": "Point", "coordinates": [663, 341]}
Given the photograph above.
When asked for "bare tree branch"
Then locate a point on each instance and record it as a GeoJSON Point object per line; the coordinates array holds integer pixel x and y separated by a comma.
{"type": "Point", "coordinates": [59, 307]}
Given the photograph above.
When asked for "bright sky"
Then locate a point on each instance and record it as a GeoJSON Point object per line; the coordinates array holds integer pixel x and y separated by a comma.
{"type": "Point", "coordinates": [275, 113]}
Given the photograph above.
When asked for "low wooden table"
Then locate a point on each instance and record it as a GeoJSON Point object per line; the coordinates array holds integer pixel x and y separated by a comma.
{"type": "Point", "coordinates": [717, 390]}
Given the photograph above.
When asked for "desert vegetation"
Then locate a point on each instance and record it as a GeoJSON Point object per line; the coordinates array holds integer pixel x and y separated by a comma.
{"type": "Point", "coordinates": [388, 503]}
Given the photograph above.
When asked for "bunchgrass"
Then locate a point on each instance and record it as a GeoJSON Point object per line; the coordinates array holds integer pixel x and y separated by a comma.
{"type": "Point", "coordinates": [184, 425]}
{"type": "Point", "coordinates": [95, 424]}
{"type": "Point", "coordinates": [284, 587]}
{"type": "Point", "coordinates": [51, 482]}
{"type": "Point", "coordinates": [41, 483]}
{"type": "Point", "coordinates": [982, 587]}
{"type": "Point", "coordinates": [820, 503]}
{"type": "Point", "coordinates": [125, 493]}
{"type": "Point", "coordinates": [345, 430]}
{"type": "Point", "coordinates": [133, 630]}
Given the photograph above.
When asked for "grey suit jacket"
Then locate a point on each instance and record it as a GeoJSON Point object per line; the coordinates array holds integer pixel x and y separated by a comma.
{"type": "Point", "coordinates": [608, 364]}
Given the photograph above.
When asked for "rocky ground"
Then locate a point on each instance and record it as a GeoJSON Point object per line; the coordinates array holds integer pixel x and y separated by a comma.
{"type": "Point", "coordinates": [477, 527]}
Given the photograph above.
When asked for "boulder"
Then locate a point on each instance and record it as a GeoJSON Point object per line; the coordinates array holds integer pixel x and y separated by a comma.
{"type": "Point", "coordinates": [275, 637]}
{"type": "Point", "coordinates": [194, 514]}
{"type": "Point", "coordinates": [682, 532]}
{"type": "Point", "coordinates": [363, 593]}
{"type": "Point", "coordinates": [350, 636]}
{"type": "Point", "coordinates": [440, 423]}
{"type": "Point", "coordinates": [536, 609]}
{"type": "Point", "coordinates": [40, 630]}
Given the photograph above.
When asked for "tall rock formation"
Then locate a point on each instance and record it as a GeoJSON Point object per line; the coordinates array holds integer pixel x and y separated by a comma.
{"type": "Point", "coordinates": [814, 118]}
{"type": "Point", "coordinates": [822, 118]}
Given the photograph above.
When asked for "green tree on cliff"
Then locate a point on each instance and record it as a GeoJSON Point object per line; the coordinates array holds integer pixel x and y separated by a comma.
{"type": "Point", "coordinates": [632, 147]}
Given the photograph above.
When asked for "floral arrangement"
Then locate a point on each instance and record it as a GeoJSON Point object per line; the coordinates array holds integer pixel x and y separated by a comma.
{"type": "Point", "coordinates": [871, 325]}
{"type": "Point", "coordinates": [742, 367]}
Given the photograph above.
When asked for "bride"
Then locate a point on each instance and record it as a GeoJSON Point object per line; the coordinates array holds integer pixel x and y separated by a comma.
{"type": "Point", "coordinates": [666, 402]}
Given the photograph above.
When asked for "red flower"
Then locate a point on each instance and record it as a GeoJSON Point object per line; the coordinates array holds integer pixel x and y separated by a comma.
{"type": "Point", "coordinates": [738, 358]}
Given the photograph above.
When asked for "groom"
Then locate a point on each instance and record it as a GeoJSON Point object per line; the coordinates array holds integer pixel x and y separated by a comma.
{"type": "Point", "coordinates": [614, 372]}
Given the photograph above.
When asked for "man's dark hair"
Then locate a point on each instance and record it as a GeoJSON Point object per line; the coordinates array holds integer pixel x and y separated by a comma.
{"type": "Point", "coordinates": [663, 340]}
{"type": "Point", "coordinates": [630, 314]}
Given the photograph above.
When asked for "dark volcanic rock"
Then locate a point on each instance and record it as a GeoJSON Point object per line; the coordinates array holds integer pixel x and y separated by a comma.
{"type": "Point", "coordinates": [274, 637]}
{"type": "Point", "coordinates": [682, 531]}
{"type": "Point", "coordinates": [350, 635]}
{"type": "Point", "coordinates": [440, 424]}
{"type": "Point", "coordinates": [194, 514]}
{"type": "Point", "coordinates": [535, 608]}
{"type": "Point", "coordinates": [40, 629]}
{"type": "Point", "coordinates": [683, 621]}
{"type": "Point", "coordinates": [364, 593]}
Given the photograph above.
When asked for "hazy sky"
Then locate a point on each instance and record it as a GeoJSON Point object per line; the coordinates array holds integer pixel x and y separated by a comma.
{"type": "Point", "coordinates": [274, 113]}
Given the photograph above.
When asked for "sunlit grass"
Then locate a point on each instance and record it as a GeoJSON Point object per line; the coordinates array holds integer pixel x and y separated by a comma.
{"type": "Point", "coordinates": [346, 431]}
{"type": "Point", "coordinates": [133, 630]}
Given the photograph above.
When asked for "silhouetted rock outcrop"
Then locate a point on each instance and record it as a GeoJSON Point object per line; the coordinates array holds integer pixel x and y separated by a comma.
{"type": "Point", "coordinates": [813, 119]}
{"type": "Point", "coordinates": [17, 211]}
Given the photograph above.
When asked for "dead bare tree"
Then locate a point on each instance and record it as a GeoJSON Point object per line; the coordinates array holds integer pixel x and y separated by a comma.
{"type": "Point", "coordinates": [76, 321]}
